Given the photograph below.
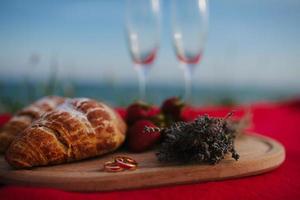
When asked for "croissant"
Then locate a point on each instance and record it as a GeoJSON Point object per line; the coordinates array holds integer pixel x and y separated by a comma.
{"type": "Point", "coordinates": [77, 129]}
{"type": "Point", "coordinates": [25, 117]}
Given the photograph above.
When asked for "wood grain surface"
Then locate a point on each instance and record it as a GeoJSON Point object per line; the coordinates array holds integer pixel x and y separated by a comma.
{"type": "Point", "coordinates": [258, 155]}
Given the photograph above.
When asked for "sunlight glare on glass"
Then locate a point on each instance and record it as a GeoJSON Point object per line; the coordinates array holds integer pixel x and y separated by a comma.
{"type": "Point", "coordinates": [177, 36]}
{"type": "Point", "coordinates": [202, 5]}
{"type": "Point", "coordinates": [134, 42]}
{"type": "Point", "coordinates": [155, 5]}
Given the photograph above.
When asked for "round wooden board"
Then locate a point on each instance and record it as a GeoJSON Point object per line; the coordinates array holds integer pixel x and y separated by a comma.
{"type": "Point", "coordinates": [258, 154]}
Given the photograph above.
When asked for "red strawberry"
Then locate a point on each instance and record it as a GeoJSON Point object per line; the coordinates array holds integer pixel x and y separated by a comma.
{"type": "Point", "coordinates": [140, 110]}
{"type": "Point", "coordinates": [138, 139]}
{"type": "Point", "coordinates": [172, 108]}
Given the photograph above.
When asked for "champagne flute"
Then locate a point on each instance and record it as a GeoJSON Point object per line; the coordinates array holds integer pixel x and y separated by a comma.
{"type": "Point", "coordinates": [189, 30]}
{"type": "Point", "coordinates": [142, 30]}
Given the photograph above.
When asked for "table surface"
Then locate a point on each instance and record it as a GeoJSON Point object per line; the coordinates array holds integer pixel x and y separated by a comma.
{"type": "Point", "coordinates": [280, 121]}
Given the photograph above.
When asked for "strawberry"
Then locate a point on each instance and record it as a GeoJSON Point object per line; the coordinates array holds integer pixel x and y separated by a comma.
{"type": "Point", "coordinates": [140, 110]}
{"type": "Point", "coordinates": [138, 139]}
{"type": "Point", "coordinates": [172, 108]}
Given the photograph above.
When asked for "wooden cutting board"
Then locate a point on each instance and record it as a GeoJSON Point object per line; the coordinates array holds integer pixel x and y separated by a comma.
{"type": "Point", "coordinates": [258, 155]}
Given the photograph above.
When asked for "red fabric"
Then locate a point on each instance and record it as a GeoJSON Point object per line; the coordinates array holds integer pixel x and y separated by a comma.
{"type": "Point", "coordinates": [279, 121]}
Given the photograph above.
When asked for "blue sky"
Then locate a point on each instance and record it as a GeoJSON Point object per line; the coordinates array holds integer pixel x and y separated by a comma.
{"type": "Point", "coordinates": [250, 42]}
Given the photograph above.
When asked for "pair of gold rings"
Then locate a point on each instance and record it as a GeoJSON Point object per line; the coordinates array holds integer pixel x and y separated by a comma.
{"type": "Point", "coordinates": [120, 163]}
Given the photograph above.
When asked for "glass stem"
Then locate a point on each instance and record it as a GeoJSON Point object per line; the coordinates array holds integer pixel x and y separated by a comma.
{"type": "Point", "coordinates": [142, 75]}
{"type": "Point", "coordinates": [188, 70]}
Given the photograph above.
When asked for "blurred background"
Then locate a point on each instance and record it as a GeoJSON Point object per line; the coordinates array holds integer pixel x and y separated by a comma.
{"type": "Point", "coordinates": [78, 48]}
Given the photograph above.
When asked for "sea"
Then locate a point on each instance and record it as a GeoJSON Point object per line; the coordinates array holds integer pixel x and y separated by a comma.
{"type": "Point", "coordinates": [15, 94]}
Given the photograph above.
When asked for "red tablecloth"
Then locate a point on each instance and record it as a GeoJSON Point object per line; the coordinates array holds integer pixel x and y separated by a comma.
{"type": "Point", "coordinates": [279, 121]}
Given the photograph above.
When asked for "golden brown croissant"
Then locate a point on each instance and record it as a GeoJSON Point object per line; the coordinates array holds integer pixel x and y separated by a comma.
{"type": "Point", "coordinates": [25, 117]}
{"type": "Point", "coordinates": [75, 130]}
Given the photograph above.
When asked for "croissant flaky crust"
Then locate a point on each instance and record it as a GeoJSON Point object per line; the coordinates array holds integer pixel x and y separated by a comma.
{"type": "Point", "coordinates": [25, 117]}
{"type": "Point", "coordinates": [75, 130]}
